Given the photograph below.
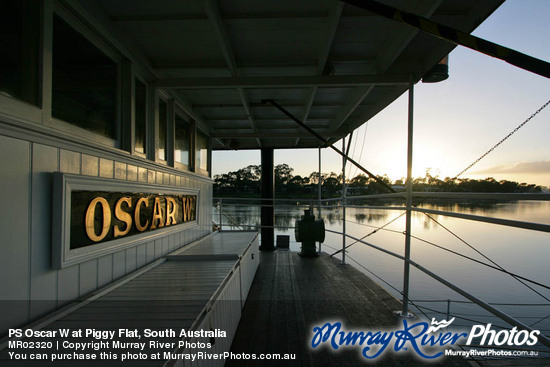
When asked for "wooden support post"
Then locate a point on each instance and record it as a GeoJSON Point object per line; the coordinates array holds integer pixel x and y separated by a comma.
{"type": "Point", "coordinates": [268, 193]}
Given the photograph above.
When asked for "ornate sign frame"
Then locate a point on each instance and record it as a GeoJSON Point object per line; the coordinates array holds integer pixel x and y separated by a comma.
{"type": "Point", "coordinates": [118, 205]}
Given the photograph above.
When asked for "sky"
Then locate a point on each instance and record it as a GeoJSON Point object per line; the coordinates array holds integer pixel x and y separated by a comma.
{"type": "Point", "coordinates": [455, 121]}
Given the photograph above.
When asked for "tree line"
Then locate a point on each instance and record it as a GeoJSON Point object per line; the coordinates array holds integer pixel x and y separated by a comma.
{"type": "Point", "coordinates": [246, 182]}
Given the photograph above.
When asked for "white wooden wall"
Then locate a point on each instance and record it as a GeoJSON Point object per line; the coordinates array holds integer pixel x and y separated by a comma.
{"type": "Point", "coordinates": [248, 266]}
{"type": "Point", "coordinates": [29, 287]}
{"type": "Point", "coordinates": [225, 315]}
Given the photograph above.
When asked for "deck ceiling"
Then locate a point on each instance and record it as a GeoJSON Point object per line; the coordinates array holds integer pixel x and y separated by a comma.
{"type": "Point", "coordinates": [330, 64]}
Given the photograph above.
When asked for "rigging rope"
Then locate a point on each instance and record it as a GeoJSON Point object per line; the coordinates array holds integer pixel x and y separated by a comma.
{"type": "Point", "coordinates": [503, 139]}
{"type": "Point", "coordinates": [369, 234]}
{"type": "Point", "coordinates": [368, 225]}
{"type": "Point", "coordinates": [459, 317]}
{"type": "Point", "coordinates": [361, 153]}
{"type": "Point", "coordinates": [480, 262]}
{"type": "Point", "coordinates": [376, 276]}
{"type": "Point", "coordinates": [454, 253]}
{"type": "Point", "coordinates": [352, 155]}
{"type": "Point", "coordinates": [495, 266]}
{"type": "Point", "coordinates": [420, 308]}
{"type": "Point", "coordinates": [517, 277]}
{"type": "Point", "coordinates": [544, 318]}
{"type": "Point", "coordinates": [391, 286]}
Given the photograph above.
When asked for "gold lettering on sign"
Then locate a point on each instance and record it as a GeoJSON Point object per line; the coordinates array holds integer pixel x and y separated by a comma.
{"type": "Point", "coordinates": [129, 214]}
{"type": "Point", "coordinates": [171, 208]}
{"type": "Point", "coordinates": [90, 219]}
{"type": "Point", "coordinates": [188, 209]}
{"type": "Point", "coordinates": [157, 215]}
{"type": "Point", "coordinates": [123, 216]}
{"type": "Point", "coordinates": [137, 214]}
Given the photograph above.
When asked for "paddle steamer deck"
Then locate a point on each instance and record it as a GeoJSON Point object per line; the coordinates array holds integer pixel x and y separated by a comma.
{"type": "Point", "coordinates": [292, 294]}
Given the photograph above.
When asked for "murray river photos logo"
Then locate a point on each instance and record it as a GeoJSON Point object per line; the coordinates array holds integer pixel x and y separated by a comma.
{"type": "Point", "coordinates": [428, 341]}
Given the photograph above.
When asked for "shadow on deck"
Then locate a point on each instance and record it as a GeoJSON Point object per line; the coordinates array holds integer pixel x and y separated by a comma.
{"type": "Point", "coordinates": [291, 294]}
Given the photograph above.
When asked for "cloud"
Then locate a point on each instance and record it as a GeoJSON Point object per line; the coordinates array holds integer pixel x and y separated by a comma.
{"type": "Point", "coordinates": [535, 167]}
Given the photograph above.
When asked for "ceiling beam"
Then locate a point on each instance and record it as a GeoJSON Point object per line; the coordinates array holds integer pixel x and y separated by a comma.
{"type": "Point", "coordinates": [273, 120]}
{"type": "Point", "coordinates": [334, 18]}
{"type": "Point", "coordinates": [215, 18]}
{"type": "Point", "coordinates": [302, 16]}
{"type": "Point", "coordinates": [281, 81]}
{"type": "Point", "coordinates": [354, 101]}
{"type": "Point", "coordinates": [374, 108]}
{"type": "Point", "coordinates": [212, 69]}
{"type": "Point", "coordinates": [307, 110]}
{"type": "Point", "coordinates": [157, 17]}
{"type": "Point", "coordinates": [188, 108]}
{"type": "Point", "coordinates": [271, 134]}
{"type": "Point", "coordinates": [261, 105]}
{"type": "Point", "coordinates": [248, 110]}
{"type": "Point", "coordinates": [457, 37]}
{"type": "Point", "coordinates": [208, 68]}
{"type": "Point", "coordinates": [404, 36]}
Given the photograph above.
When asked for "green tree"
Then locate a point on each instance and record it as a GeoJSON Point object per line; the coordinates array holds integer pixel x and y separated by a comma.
{"type": "Point", "coordinates": [283, 173]}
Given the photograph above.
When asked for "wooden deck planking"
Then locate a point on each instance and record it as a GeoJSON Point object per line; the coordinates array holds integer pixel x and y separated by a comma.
{"type": "Point", "coordinates": [290, 295]}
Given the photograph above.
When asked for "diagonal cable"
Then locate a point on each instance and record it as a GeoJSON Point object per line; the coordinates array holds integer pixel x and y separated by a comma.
{"type": "Point", "coordinates": [366, 125]}
{"type": "Point", "coordinates": [369, 234]}
{"type": "Point", "coordinates": [502, 140]}
{"type": "Point", "coordinates": [487, 258]}
{"type": "Point", "coordinates": [542, 319]}
{"type": "Point", "coordinates": [481, 262]}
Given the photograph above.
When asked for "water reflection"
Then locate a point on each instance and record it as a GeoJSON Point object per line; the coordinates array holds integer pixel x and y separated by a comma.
{"type": "Point", "coordinates": [517, 250]}
{"type": "Point", "coordinates": [369, 217]}
{"type": "Point", "coordinates": [331, 218]}
{"type": "Point", "coordinates": [249, 215]}
{"type": "Point", "coordinates": [527, 211]}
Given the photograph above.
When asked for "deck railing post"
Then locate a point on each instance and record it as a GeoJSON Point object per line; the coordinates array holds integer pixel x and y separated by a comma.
{"type": "Point", "coordinates": [220, 211]}
{"type": "Point", "coordinates": [343, 202]}
{"type": "Point", "coordinates": [405, 311]}
{"type": "Point", "coordinates": [267, 210]}
{"type": "Point", "coordinates": [319, 189]}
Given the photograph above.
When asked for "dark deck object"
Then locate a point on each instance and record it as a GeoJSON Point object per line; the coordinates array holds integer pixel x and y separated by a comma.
{"type": "Point", "coordinates": [291, 294]}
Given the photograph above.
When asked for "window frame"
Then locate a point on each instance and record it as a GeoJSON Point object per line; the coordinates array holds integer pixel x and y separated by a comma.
{"type": "Point", "coordinates": [197, 169]}
{"type": "Point", "coordinates": [20, 108]}
{"type": "Point", "coordinates": [136, 77]}
{"type": "Point", "coordinates": [191, 124]}
{"type": "Point", "coordinates": [15, 103]}
{"type": "Point", "coordinates": [162, 96]}
{"type": "Point", "coordinates": [103, 46]}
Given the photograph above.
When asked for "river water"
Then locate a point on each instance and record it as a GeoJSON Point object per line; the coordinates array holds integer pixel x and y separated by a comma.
{"type": "Point", "coordinates": [520, 251]}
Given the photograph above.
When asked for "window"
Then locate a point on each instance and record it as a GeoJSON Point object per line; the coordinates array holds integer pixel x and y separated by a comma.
{"type": "Point", "coordinates": [84, 82]}
{"type": "Point", "coordinates": [201, 152]}
{"type": "Point", "coordinates": [140, 112]}
{"type": "Point", "coordinates": [182, 151]}
{"type": "Point", "coordinates": [163, 129]}
{"type": "Point", "coordinates": [19, 37]}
